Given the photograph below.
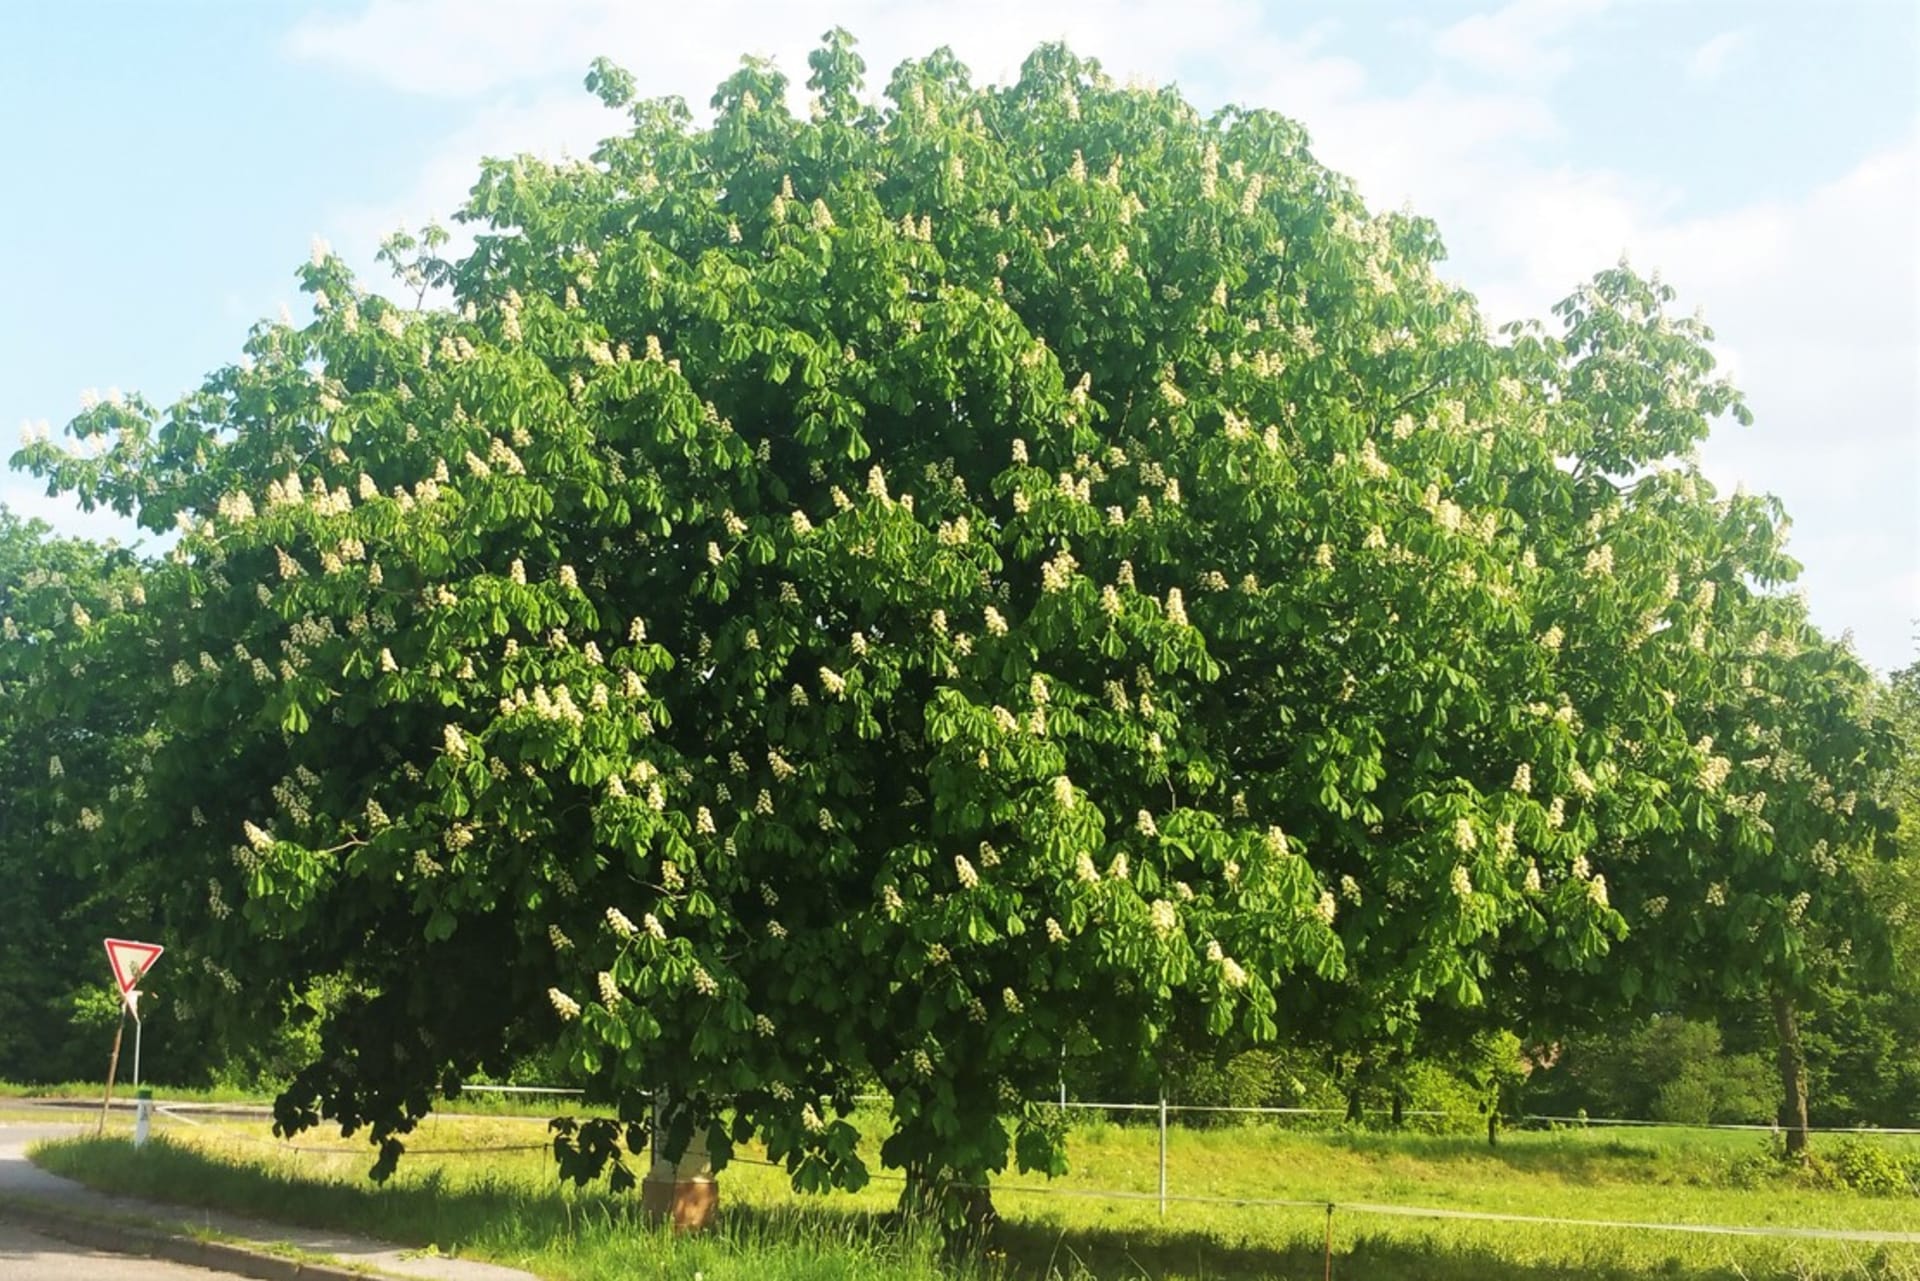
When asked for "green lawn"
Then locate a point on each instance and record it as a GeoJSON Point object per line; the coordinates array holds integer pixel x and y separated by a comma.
{"type": "Point", "coordinates": [481, 1101]}
{"type": "Point", "coordinates": [468, 1190]}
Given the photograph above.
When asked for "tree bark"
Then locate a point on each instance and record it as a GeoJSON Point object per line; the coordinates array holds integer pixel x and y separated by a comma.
{"type": "Point", "coordinates": [930, 1195]}
{"type": "Point", "coordinates": [1793, 1074]}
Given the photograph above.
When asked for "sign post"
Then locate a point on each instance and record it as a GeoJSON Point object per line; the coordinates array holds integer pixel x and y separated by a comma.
{"type": "Point", "coordinates": [133, 999]}
{"type": "Point", "coordinates": [130, 962]}
{"type": "Point", "coordinates": [113, 1069]}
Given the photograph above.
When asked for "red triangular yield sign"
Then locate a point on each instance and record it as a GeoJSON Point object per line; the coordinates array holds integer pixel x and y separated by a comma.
{"type": "Point", "coordinates": [130, 961]}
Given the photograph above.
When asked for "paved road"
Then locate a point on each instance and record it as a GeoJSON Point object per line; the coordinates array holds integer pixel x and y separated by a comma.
{"type": "Point", "coordinates": [28, 1256]}
{"type": "Point", "coordinates": [20, 1177]}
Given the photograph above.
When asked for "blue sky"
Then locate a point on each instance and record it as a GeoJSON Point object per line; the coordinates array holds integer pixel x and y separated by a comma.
{"type": "Point", "coordinates": [171, 164]}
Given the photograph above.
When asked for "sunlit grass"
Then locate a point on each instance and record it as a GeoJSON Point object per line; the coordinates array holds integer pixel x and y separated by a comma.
{"type": "Point", "coordinates": [485, 1187]}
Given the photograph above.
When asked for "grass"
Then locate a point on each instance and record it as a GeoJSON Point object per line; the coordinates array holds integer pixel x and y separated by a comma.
{"type": "Point", "coordinates": [475, 1101]}
{"type": "Point", "coordinates": [469, 1188]}
{"type": "Point", "coordinates": [94, 1089]}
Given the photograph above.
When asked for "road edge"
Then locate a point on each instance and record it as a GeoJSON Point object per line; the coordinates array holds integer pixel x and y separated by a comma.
{"type": "Point", "coordinates": [158, 1240]}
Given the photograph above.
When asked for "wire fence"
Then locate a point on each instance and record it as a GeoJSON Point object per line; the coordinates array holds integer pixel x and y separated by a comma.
{"type": "Point", "coordinates": [1173, 1110]}
{"type": "Point", "coordinates": [1165, 1197]}
{"type": "Point", "coordinates": [1575, 1121]}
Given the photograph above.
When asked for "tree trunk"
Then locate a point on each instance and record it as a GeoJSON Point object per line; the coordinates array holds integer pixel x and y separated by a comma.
{"type": "Point", "coordinates": [963, 1211]}
{"type": "Point", "coordinates": [1793, 1074]}
{"type": "Point", "coordinates": [1353, 1104]}
{"type": "Point", "coordinates": [1399, 1110]}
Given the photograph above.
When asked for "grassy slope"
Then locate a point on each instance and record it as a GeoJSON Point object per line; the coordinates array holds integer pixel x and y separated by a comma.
{"type": "Point", "coordinates": [503, 1204]}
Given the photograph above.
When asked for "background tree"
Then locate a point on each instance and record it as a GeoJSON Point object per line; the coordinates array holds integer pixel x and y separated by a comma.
{"type": "Point", "coordinates": [53, 982]}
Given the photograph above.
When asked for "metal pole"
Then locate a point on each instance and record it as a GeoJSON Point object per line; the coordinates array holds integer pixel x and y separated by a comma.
{"type": "Point", "coordinates": [113, 1068]}
{"type": "Point", "coordinates": [1063, 1078]}
{"type": "Point", "coordinates": [1163, 1151]}
{"type": "Point", "coordinates": [137, 1025]}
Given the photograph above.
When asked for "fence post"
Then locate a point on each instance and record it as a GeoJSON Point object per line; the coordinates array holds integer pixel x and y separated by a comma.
{"type": "Point", "coordinates": [1163, 1151]}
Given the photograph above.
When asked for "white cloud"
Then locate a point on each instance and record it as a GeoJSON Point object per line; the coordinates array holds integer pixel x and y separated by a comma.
{"type": "Point", "coordinates": [27, 498]}
{"type": "Point", "coordinates": [545, 124]}
{"type": "Point", "coordinates": [1520, 42]}
{"type": "Point", "coordinates": [467, 47]}
{"type": "Point", "coordinates": [1710, 60]}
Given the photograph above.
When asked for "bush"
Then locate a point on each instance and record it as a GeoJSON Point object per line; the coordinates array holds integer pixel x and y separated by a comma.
{"type": "Point", "coordinates": [1869, 1168]}
{"type": "Point", "coordinates": [1253, 1079]}
{"type": "Point", "coordinates": [1666, 1069]}
{"type": "Point", "coordinates": [1441, 1102]}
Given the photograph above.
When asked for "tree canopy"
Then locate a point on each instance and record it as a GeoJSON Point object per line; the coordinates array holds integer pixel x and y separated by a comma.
{"type": "Point", "coordinates": [876, 597]}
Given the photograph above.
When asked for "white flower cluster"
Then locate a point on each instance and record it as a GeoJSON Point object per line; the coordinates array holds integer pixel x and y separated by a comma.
{"type": "Point", "coordinates": [1057, 574]}
{"type": "Point", "coordinates": [563, 1005]}
{"type": "Point", "coordinates": [554, 705]}
{"type": "Point", "coordinates": [1230, 969]}
{"type": "Point", "coordinates": [236, 508]}
{"type": "Point", "coordinates": [1176, 607]}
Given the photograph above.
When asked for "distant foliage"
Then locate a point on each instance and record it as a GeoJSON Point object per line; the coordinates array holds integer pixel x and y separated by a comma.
{"type": "Point", "coordinates": [1666, 1069]}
